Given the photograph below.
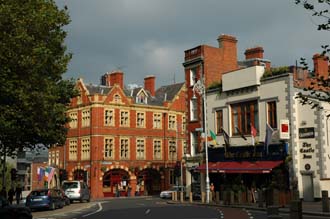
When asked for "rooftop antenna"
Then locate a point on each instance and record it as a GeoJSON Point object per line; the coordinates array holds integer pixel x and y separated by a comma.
{"type": "Point", "coordinates": [174, 78]}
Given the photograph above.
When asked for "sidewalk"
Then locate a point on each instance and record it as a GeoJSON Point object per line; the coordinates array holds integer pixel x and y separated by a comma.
{"type": "Point", "coordinates": [308, 208]}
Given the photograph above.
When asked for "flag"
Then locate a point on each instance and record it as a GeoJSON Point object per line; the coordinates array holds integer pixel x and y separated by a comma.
{"type": "Point", "coordinates": [51, 174]}
{"type": "Point", "coordinates": [240, 133]}
{"type": "Point", "coordinates": [253, 134]}
{"type": "Point", "coordinates": [214, 137]}
{"type": "Point", "coordinates": [268, 137]}
{"type": "Point", "coordinates": [40, 173]}
{"type": "Point", "coordinates": [226, 139]}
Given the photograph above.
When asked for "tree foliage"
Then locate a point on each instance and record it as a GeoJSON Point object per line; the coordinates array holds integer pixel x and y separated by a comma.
{"type": "Point", "coordinates": [33, 58]}
{"type": "Point", "coordinates": [319, 88]}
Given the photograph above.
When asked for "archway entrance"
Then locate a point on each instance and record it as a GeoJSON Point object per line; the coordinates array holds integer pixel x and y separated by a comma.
{"type": "Point", "coordinates": [149, 181]}
{"type": "Point", "coordinates": [115, 183]}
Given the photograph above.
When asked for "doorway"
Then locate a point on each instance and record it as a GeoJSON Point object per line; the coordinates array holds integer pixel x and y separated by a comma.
{"type": "Point", "coordinates": [308, 188]}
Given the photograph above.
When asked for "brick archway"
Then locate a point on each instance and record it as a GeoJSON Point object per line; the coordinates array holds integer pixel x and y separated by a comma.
{"type": "Point", "coordinates": [115, 180]}
{"type": "Point", "coordinates": [149, 181]}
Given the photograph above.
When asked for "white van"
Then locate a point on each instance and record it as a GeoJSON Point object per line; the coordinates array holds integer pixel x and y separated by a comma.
{"type": "Point", "coordinates": [76, 190]}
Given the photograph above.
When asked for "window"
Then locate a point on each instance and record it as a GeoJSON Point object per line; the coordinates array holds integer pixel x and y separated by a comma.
{"type": "Point", "coordinates": [109, 148]}
{"type": "Point", "coordinates": [140, 149]}
{"type": "Point", "coordinates": [193, 109]}
{"type": "Point", "coordinates": [85, 118]}
{"type": "Point", "coordinates": [57, 158]}
{"type": "Point", "coordinates": [73, 120]}
{"type": "Point", "coordinates": [109, 118]}
{"type": "Point", "coordinates": [193, 76]}
{"type": "Point", "coordinates": [172, 149]}
{"type": "Point", "coordinates": [184, 124]}
{"type": "Point", "coordinates": [193, 143]}
{"type": "Point", "coordinates": [85, 149]}
{"type": "Point", "coordinates": [141, 98]}
{"type": "Point", "coordinates": [124, 148]}
{"type": "Point", "coordinates": [117, 98]}
{"type": "Point", "coordinates": [140, 119]}
{"type": "Point", "coordinates": [184, 147]}
{"type": "Point", "coordinates": [157, 122]}
{"type": "Point", "coordinates": [271, 114]}
{"type": "Point", "coordinates": [219, 121]}
{"type": "Point", "coordinates": [243, 114]}
{"type": "Point", "coordinates": [157, 150]}
{"type": "Point", "coordinates": [73, 149]}
{"type": "Point", "coordinates": [172, 122]}
{"type": "Point", "coordinates": [124, 118]}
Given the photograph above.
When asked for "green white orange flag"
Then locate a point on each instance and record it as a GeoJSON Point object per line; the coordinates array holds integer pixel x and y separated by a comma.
{"type": "Point", "coordinates": [214, 137]}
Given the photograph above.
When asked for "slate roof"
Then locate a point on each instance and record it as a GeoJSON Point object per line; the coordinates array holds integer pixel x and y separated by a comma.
{"type": "Point", "coordinates": [164, 93]}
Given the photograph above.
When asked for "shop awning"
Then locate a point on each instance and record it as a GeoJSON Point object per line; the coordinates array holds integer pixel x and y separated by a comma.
{"type": "Point", "coordinates": [240, 167]}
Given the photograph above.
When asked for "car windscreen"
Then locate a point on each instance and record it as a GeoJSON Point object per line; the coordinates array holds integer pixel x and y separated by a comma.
{"type": "Point", "coordinates": [39, 193]}
{"type": "Point", "coordinates": [70, 185]}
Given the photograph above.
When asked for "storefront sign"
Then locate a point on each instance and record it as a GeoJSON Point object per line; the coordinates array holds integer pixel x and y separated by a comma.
{"type": "Point", "coordinates": [306, 133]}
{"type": "Point", "coordinates": [284, 129]}
{"type": "Point", "coordinates": [306, 150]}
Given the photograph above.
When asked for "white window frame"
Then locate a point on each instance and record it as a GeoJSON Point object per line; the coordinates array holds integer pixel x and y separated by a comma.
{"type": "Point", "coordinates": [109, 148]}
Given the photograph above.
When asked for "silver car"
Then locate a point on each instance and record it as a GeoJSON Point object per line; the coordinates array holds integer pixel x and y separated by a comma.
{"type": "Point", "coordinates": [76, 190]}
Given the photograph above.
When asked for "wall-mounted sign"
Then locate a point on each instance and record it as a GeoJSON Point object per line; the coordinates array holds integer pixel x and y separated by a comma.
{"type": "Point", "coordinates": [284, 129]}
{"type": "Point", "coordinates": [307, 150]}
{"type": "Point", "coordinates": [306, 132]}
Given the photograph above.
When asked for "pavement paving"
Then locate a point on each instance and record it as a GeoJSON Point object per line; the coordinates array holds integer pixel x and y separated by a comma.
{"type": "Point", "coordinates": [308, 208]}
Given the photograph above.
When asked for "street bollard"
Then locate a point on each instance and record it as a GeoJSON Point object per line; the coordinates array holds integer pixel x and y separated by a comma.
{"type": "Point", "coordinates": [217, 197]}
{"type": "Point", "coordinates": [260, 199]}
{"type": "Point", "coordinates": [191, 197]}
{"type": "Point", "coordinates": [296, 209]}
{"type": "Point", "coordinates": [181, 196]}
{"type": "Point", "coordinates": [325, 201]}
{"type": "Point", "coordinates": [173, 196]}
{"type": "Point", "coordinates": [203, 197]}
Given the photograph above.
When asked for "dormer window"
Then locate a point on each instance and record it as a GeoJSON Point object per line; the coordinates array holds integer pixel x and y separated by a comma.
{"type": "Point", "coordinates": [142, 98]}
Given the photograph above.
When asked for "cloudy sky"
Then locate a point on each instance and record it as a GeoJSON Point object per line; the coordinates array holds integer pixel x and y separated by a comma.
{"type": "Point", "coordinates": [149, 37]}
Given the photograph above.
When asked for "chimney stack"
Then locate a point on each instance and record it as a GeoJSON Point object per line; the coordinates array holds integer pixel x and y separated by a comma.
{"type": "Point", "coordinates": [115, 77]}
{"type": "Point", "coordinates": [254, 53]}
{"type": "Point", "coordinates": [321, 65]}
{"type": "Point", "coordinates": [149, 84]}
{"type": "Point", "coordinates": [229, 52]}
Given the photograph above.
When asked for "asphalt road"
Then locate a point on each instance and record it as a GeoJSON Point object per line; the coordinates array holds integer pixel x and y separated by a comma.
{"type": "Point", "coordinates": [150, 207]}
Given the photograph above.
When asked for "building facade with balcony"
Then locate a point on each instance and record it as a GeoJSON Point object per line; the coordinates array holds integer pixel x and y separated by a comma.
{"type": "Point", "coordinates": [124, 140]}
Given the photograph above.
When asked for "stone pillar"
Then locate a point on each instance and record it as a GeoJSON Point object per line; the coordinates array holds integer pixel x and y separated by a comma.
{"type": "Point", "coordinates": [325, 201]}
{"type": "Point", "coordinates": [188, 182]}
{"type": "Point", "coordinates": [296, 209]}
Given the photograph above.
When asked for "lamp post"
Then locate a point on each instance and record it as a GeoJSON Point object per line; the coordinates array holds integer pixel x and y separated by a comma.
{"type": "Point", "coordinates": [199, 87]}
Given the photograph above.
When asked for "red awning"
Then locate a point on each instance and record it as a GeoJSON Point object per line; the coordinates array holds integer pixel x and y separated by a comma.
{"type": "Point", "coordinates": [241, 167]}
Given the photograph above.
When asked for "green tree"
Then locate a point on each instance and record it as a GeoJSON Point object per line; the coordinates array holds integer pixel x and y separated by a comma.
{"type": "Point", "coordinates": [320, 11]}
{"type": "Point", "coordinates": [34, 96]}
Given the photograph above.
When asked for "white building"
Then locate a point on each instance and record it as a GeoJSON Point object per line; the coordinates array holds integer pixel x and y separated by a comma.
{"type": "Point", "coordinates": [248, 96]}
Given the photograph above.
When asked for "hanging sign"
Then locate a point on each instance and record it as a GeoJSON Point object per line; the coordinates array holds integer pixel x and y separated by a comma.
{"type": "Point", "coordinates": [284, 129]}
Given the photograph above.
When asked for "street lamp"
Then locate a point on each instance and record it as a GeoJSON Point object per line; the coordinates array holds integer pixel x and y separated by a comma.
{"type": "Point", "coordinates": [199, 87]}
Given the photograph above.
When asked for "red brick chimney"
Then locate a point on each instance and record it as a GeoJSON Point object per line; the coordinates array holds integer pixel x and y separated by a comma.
{"type": "Point", "coordinates": [229, 52]}
{"type": "Point", "coordinates": [321, 65]}
{"type": "Point", "coordinates": [115, 77]}
{"type": "Point", "coordinates": [253, 53]}
{"type": "Point", "coordinates": [149, 84]}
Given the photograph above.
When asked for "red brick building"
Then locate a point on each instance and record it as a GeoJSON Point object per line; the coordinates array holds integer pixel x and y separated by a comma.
{"type": "Point", "coordinates": [119, 136]}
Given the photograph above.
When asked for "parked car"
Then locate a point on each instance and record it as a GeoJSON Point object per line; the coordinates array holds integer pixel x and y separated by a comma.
{"type": "Point", "coordinates": [45, 198]}
{"type": "Point", "coordinates": [168, 193]}
{"type": "Point", "coordinates": [13, 211]}
{"type": "Point", "coordinates": [65, 197]}
{"type": "Point", "coordinates": [76, 190]}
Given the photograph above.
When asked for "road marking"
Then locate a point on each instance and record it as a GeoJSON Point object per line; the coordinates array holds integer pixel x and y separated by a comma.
{"type": "Point", "coordinates": [95, 212]}
{"type": "Point", "coordinates": [147, 211]}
